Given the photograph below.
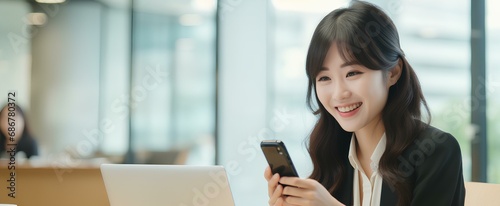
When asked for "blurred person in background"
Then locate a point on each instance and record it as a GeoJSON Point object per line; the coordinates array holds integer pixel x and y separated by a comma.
{"type": "Point", "coordinates": [22, 138]}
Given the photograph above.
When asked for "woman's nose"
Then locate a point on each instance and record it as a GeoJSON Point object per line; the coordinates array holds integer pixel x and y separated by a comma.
{"type": "Point", "coordinates": [341, 92]}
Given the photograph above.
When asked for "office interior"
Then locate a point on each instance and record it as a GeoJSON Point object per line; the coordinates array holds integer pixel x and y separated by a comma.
{"type": "Point", "coordinates": [202, 82]}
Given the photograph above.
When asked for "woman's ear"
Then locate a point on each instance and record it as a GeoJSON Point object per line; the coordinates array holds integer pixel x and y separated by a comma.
{"type": "Point", "coordinates": [395, 73]}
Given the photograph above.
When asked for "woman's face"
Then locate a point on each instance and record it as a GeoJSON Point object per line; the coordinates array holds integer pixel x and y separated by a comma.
{"type": "Point", "coordinates": [353, 94]}
{"type": "Point", "coordinates": [4, 125]}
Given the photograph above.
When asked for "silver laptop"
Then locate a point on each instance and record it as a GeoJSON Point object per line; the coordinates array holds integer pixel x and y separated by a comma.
{"type": "Point", "coordinates": [175, 185]}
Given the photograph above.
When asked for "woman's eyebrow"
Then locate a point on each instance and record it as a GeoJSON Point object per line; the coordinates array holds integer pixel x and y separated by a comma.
{"type": "Point", "coordinates": [323, 68]}
{"type": "Point", "coordinates": [346, 64]}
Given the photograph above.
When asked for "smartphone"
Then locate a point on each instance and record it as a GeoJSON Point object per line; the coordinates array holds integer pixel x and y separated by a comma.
{"type": "Point", "coordinates": [278, 158]}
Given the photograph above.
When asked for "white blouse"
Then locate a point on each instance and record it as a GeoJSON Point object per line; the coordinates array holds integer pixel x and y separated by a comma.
{"type": "Point", "coordinates": [372, 187]}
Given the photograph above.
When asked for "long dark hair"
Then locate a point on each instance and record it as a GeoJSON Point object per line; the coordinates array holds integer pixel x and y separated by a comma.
{"type": "Point", "coordinates": [365, 35]}
{"type": "Point", "coordinates": [26, 142]}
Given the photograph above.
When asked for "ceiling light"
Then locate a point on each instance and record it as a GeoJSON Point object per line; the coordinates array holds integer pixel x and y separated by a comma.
{"type": "Point", "coordinates": [36, 19]}
{"type": "Point", "coordinates": [314, 6]}
{"type": "Point", "coordinates": [50, 1]}
{"type": "Point", "coordinates": [204, 5]}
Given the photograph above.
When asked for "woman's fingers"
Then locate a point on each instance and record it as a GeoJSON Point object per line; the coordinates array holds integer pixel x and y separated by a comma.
{"type": "Point", "coordinates": [296, 182]}
{"type": "Point", "coordinates": [267, 173]}
{"type": "Point", "coordinates": [291, 200]}
{"type": "Point", "coordinates": [272, 184]}
{"type": "Point", "coordinates": [275, 197]}
{"type": "Point", "coordinates": [294, 191]}
{"type": "Point", "coordinates": [274, 189]}
{"type": "Point", "coordinates": [280, 202]}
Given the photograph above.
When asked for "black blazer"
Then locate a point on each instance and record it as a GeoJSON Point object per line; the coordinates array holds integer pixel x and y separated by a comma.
{"type": "Point", "coordinates": [26, 144]}
{"type": "Point", "coordinates": [433, 163]}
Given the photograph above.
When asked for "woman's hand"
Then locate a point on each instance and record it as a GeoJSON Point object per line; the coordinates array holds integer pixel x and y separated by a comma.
{"type": "Point", "coordinates": [274, 189]}
{"type": "Point", "coordinates": [305, 192]}
{"type": "Point", "coordinates": [298, 192]}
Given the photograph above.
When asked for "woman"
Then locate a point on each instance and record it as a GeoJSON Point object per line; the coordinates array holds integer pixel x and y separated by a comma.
{"type": "Point", "coordinates": [22, 138]}
{"type": "Point", "coordinates": [369, 145]}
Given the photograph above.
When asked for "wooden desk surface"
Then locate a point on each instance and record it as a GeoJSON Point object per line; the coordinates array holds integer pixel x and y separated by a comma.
{"type": "Point", "coordinates": [54, 186]}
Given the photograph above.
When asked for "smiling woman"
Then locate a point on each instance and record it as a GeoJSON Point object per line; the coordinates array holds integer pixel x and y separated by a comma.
{"type": "Point", "coordinates": [369, 145]}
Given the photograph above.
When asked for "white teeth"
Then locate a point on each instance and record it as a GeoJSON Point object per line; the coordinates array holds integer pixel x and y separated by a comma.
{"type": "Point", "coordinates": [349, 108]}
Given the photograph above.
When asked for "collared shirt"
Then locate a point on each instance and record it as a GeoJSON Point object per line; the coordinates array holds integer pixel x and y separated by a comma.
{"type": "Point", "coordinates": [372, 187]}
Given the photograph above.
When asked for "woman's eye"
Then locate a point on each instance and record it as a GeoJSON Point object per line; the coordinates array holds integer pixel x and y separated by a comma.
{"type": "Point", "coordinates": [323, 79]}
{"type": "Point", "coordinates": [352, 74]}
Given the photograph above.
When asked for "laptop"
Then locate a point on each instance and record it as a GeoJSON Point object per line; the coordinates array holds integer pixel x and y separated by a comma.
{"type": "Point", "coordinates": [172, 185]}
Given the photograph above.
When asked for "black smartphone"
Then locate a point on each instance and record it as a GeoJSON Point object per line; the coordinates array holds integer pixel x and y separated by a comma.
{"type": "Point", "coordinates": [278, 158]}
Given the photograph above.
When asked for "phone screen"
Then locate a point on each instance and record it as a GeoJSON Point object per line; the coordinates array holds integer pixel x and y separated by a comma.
{"type": "Point", "coordinates": [278, 158]}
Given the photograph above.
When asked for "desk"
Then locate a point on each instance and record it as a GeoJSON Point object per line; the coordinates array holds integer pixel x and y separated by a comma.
{"type": "Point", "coordinates": [49, 186]}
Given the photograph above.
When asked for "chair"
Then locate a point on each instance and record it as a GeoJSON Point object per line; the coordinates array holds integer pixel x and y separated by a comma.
{"type": "Point", "coordinates": [483, 194]}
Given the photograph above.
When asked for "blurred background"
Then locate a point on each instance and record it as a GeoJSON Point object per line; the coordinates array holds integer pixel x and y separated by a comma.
{"type": "Point", "coordinates": [202, 82]}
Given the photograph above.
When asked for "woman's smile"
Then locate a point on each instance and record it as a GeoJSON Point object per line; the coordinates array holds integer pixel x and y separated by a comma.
{"type": "Point", "coordinates": [349, 110]}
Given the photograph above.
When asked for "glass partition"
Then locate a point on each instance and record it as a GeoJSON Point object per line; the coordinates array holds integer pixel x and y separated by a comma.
{"type": "Point", "coordinates": [492, 87]}
{"type": "Point", "coordinates": [91, 74]}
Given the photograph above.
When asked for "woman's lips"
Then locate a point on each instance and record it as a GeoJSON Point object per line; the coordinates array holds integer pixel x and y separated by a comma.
{"type": "Point", "coordinates": [349, 110]}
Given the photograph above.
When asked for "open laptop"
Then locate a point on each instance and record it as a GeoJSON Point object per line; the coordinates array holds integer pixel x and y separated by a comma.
{"type": "Point", "coordinates": [172, 185]}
